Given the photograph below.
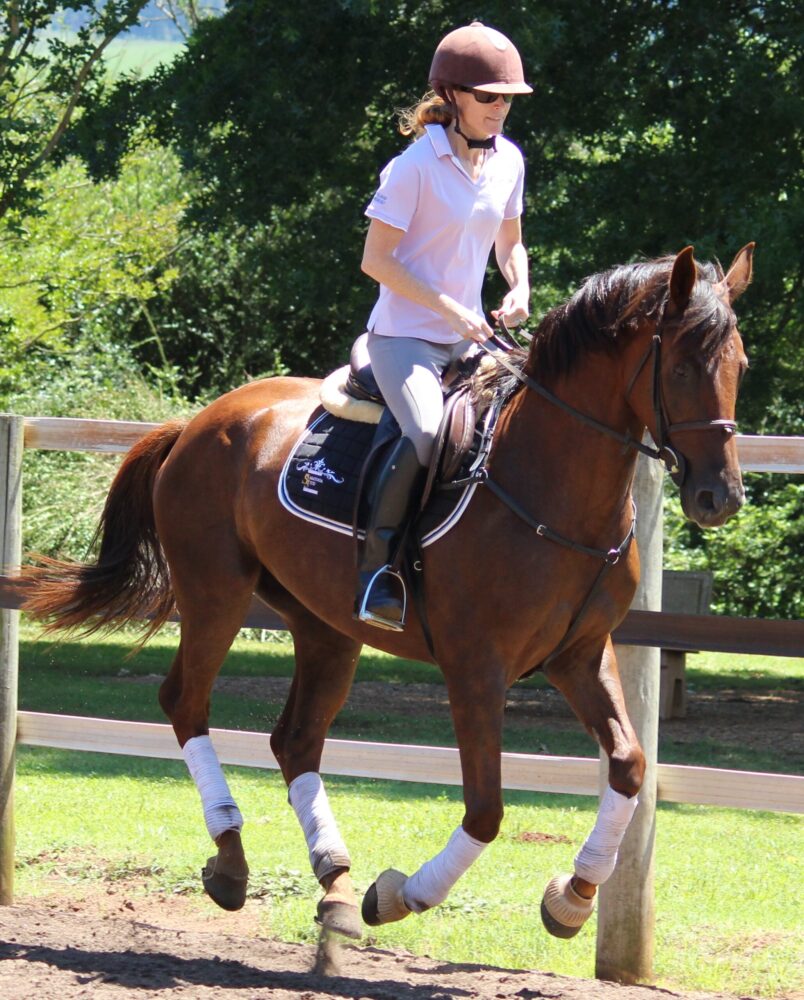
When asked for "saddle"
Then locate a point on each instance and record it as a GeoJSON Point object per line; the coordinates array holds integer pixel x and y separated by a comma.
{"type": "Point", "coordinates": [352, 393]}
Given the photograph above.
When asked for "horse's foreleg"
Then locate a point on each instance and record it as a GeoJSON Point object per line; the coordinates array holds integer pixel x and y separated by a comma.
{"type": "Point", "coordinates": [325, 665]}
{"type": "Point", "coordinates": [477, 711]}
{"type": "Point", "coordinates": [595, 694]}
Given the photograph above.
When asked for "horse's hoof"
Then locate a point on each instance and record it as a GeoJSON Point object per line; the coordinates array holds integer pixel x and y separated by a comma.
{"type": "Point", "coordinates": [564, 912]}
{"type": "Point", "coordinates": [342, 918]}
{"type": "Point", "coordinates": [383, 903]}
{"type": "Point", "coordinates": [228, 891]}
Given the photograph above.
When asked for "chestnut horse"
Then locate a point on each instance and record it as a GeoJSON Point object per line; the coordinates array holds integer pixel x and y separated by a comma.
{"type": "Point", "coordinates": [193, 518]}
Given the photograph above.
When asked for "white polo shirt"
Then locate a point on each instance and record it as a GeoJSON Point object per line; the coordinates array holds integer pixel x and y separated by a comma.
{"type": "Point", "coordinates": [450, 223]}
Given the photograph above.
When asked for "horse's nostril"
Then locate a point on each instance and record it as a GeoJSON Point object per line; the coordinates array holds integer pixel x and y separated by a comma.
{"type": "Point", "coordinates": [705, 500]}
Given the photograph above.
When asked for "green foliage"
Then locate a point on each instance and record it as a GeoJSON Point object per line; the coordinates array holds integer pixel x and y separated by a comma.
{"type": "Point", "coordinates": [93, 255]}
{"type": "Point", "coordinates": [64, 492]}
{"type": "Point", "coordinates": [653, 125]}
{"type": "Point", "coordinates": [753, 557]}
{"type": "Point", "coordinates": [45, 78]}
{"type": "Point", "coordinates": [237, 254]}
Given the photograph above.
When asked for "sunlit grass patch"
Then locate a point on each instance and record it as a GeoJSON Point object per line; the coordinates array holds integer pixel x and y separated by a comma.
{"type": "Point", "coordinates": [722, 876]}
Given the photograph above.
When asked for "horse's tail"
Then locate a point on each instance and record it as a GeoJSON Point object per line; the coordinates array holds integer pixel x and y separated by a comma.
{"type": "Point", "coordinates": [130, 580]}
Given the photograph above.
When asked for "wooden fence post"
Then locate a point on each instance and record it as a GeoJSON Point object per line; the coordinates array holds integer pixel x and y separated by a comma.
{"type": "Point", "coordinates": [11, 448]}
{"type": "Point", "coordinates": [626, 906]}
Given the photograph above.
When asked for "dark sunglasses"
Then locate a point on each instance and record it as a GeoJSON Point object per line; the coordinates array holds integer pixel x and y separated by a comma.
{"type": "Point", "coordinates": [483, 97]}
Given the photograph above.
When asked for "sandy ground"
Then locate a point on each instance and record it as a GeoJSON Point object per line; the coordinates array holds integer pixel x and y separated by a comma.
{"type": "Point", "coordinates": [111, 947]}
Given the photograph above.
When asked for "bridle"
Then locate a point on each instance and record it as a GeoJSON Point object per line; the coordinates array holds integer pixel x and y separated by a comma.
{"type": "Point", "coordinates": [674, 460]}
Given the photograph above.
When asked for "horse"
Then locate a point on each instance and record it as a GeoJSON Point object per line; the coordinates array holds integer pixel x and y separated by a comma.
{"type": "Point", "coordinates": [536, 575]}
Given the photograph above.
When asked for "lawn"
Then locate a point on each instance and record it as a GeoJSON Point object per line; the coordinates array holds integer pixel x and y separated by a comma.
{"type": "Point", "coordinates": [726, 880]}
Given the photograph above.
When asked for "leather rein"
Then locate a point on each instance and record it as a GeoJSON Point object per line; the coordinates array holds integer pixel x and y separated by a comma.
{"type": "Point", "coordinates": [674, 460]}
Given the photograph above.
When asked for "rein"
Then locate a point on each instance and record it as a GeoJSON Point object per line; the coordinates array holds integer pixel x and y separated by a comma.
{"type": "Point", "coordinates": [674, 461]}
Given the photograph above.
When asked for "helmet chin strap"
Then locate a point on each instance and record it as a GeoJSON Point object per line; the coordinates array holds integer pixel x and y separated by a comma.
{"type": "Point", "coordinates": [489, 143]}
{"type": "Point", "coordinates": [476, 143]}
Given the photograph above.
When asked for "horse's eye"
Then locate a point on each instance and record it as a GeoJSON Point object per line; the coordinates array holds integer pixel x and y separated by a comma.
{"type": "Point", "coordinates": [681, 369]}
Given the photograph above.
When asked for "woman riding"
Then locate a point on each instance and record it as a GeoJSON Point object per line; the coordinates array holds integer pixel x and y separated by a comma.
{"type": "Point", "coordinates": [440, 207]}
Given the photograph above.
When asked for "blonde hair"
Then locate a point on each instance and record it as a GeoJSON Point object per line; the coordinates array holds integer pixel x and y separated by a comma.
{"type": "Point", "coordinates": [431, 110]}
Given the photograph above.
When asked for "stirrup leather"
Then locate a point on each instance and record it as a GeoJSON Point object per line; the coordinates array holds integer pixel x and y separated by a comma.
{"type": "Point", "coordinates": [364, 615]}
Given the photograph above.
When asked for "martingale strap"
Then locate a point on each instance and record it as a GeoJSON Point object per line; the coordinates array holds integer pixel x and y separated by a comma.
{"type": "Point", "coordinates": [610, 557]}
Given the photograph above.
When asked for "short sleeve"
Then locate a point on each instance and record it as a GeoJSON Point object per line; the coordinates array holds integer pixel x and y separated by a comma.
{"type": "Point", "coordinates": [515, 202]}
{"type": "Point", "coordinates": [397, 197]}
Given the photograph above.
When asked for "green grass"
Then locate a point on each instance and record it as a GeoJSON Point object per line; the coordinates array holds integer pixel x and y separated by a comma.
{"type": "Point", "coordinates": [726, 880]}
{"type": "Point", "coordinates": [726, 920]}
{"type": "Point", "coordinates": [141, 54]}
{"type": "Point", "coordinates": [45, 664]}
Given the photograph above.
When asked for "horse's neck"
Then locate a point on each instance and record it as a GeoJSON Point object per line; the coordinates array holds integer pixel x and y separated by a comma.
{"type": "Point", "coordinates": [547, 452]}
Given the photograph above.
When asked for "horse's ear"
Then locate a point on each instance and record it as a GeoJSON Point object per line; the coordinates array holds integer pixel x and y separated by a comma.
{"type": "Point", "coordinates": [739, 276]}
{"type": "Point", "coordinates": [683, 278]}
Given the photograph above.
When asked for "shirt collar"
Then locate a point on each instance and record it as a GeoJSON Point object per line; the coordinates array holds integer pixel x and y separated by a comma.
{"type": "Point", "coordinates": [437, 135]}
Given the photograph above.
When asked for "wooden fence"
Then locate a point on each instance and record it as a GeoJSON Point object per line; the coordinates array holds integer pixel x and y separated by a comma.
{"type": "Point", "coordinates": [581, 776]}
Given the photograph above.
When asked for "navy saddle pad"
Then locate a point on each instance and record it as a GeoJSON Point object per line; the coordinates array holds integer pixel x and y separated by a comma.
{"type": "Point", "coordinates": [320, 480]}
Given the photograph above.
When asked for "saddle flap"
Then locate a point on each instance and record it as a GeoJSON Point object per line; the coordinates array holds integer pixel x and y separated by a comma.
{"type": "Point", "coordinates": [455, 438]}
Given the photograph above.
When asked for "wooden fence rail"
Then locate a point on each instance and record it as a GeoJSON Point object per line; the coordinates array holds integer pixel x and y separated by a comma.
{"type": "Point", "coordinates": [715, 633]}
{"type": "Point", "coordinates": [758, 453]}
{"type": "Point", "coordinates": [431, 765]}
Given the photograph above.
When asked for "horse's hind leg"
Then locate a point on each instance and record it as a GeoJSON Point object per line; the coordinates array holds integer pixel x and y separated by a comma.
{"type": "Point", "coordinates": [592, 687]}
{"type": "Point", "coordinates": [211, 618]}
{"type": "Point", "coordinates": [325, 666]}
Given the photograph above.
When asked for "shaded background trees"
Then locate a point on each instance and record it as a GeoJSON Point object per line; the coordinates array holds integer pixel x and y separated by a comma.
{"type": "Point", "coordinates": [652, 125]}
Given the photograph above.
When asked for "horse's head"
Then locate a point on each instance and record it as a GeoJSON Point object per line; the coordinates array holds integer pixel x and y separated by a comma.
{"type": "Point", "coordinates": [685, 388]}
{"type": "Point", "coordinates": [688, 398]}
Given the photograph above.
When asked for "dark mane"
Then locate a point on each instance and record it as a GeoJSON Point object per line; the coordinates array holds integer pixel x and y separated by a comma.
{"type": "Point", "coordinates": [608, 308]}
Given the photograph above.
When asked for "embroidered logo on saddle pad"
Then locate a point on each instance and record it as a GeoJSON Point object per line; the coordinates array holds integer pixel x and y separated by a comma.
{"type": "Point", "coordinates": [320, 480]}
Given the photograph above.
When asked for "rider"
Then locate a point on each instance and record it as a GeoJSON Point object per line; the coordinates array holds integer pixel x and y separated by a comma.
{"type": "Point", "coordinates": [440, 207]}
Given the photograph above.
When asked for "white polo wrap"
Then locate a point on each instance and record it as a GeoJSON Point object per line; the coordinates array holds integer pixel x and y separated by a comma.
{"type": "Point", "coordinates": [597, 857]}
{"type": "Point", "coordinates": [432, 882]}
{"type": "Point", "coordinates": [324, 843]}
{"type": "Point", "coordinates": [220, 810]}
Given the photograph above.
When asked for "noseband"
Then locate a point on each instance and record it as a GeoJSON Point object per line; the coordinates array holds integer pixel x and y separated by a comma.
{"type": "Point", "coordinates": [673, 459]}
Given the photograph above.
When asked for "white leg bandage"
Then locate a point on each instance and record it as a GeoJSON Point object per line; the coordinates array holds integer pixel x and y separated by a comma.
{"type": "Point", "coordinates": [597, 857]}
{"type": "Point", "coordinates": [324, 843]}
{"type": "Point", "coordinates": [432, 882]}
{"type": "Point", "coordinates": [220, 810]}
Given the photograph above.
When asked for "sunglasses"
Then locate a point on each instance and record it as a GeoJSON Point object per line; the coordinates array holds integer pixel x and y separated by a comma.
{"type": "Point", "coordinates": [483, 97]}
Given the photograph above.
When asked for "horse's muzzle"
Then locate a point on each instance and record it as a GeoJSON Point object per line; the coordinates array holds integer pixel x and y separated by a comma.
{"type": "Point", "coordinates": [712, 504]}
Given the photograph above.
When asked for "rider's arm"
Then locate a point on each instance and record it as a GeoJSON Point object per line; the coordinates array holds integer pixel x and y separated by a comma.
{"type": "Point", "coordinates": [512, 259]}
{"type": "Point", "coordinates": [380, 263]}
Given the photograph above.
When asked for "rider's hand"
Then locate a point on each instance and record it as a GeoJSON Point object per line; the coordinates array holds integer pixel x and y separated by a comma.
{"type": "Point", "coordinates": [469, 324]}
{"type": "Point", "coordinates": [515, 307]}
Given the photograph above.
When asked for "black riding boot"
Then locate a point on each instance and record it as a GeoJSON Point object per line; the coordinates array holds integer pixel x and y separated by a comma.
{"type": "Point", "coordinates": [381, 591]}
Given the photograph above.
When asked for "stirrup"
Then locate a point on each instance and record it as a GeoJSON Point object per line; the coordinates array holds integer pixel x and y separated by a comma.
{"type": "Point", "coordinates": [369, 617]}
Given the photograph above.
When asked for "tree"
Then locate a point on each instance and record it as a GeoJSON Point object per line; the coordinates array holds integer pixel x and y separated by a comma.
{"type": "Point", "coordinates": [653, 124]}
{"type": "Point", "coordinates": [44, 80]}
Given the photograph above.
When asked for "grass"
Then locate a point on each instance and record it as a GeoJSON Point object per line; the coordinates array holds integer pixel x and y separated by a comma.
{"type": "Point", "coordinates": [143, 55]}
{"type": "Point", "coordinates": [46, 663]}
{"type": "Point", "coordinates": [726, 880]}
{"type": "Point", "coordinates": [102, 818]}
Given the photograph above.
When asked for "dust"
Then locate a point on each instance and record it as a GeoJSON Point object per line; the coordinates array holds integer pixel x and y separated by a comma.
{"type": "Point", "coordinates": [328, 955]}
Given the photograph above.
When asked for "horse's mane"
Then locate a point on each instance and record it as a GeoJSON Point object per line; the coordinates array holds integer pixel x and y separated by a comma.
{"type": "Point", "coordinates": [606, 309]}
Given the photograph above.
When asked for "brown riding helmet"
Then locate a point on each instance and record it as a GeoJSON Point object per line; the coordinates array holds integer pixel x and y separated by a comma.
{"type": "Point", "coordinates": [478, 57]}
